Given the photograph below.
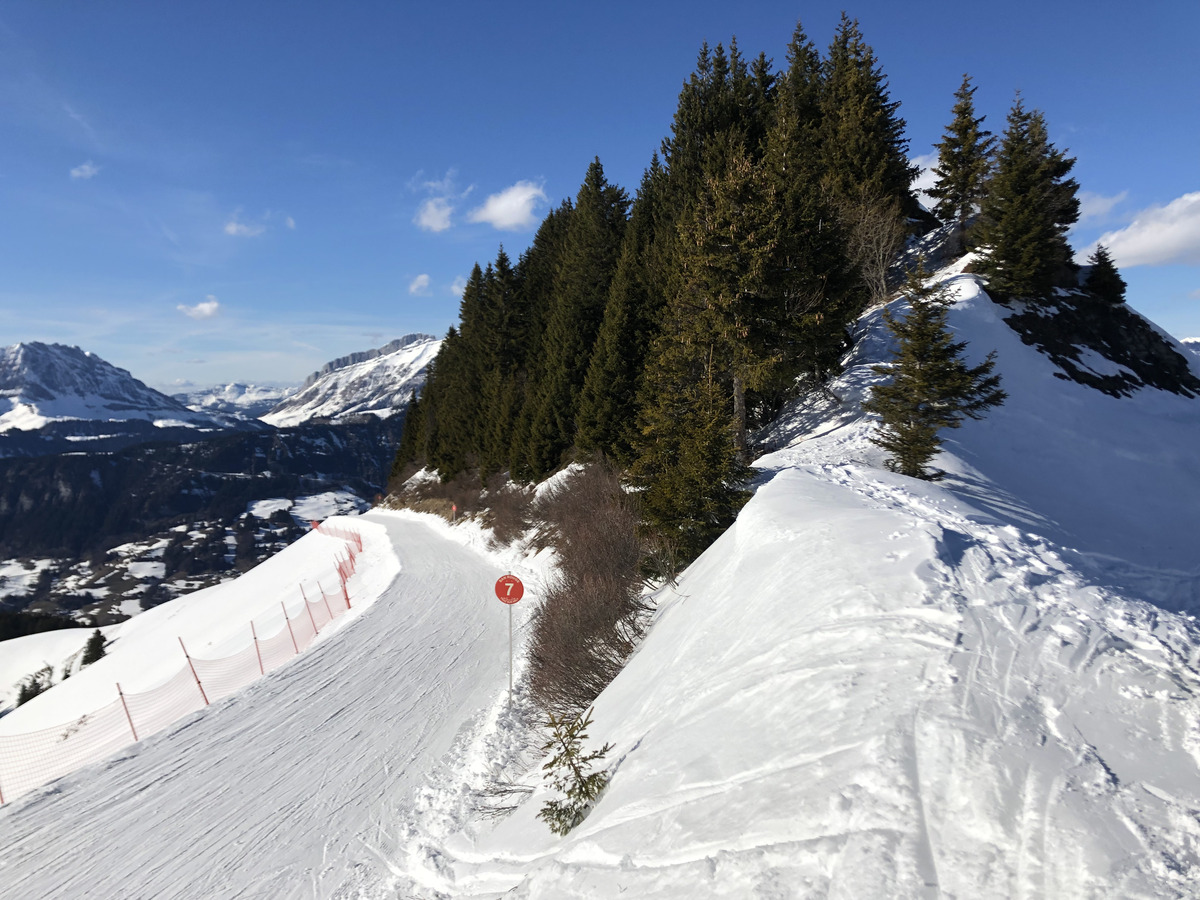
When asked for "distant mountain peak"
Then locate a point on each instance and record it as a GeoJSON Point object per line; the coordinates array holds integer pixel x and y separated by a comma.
{"type": "Point", "coordinates": [376, 381]}
{"type": "Point", "coordinates": [365, 355]}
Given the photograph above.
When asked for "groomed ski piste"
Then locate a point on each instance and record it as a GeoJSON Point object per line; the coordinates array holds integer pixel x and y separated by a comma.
{"type": "Point", "coordinates": [869, 687]}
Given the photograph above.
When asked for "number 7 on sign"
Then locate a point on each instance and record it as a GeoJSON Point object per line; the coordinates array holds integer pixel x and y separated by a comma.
{"type": "Point", "coordinates": [509, 589]}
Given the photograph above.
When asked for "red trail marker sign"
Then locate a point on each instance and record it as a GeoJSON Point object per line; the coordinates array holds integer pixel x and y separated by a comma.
{"type": "Point", "coordinates": [509, 589]}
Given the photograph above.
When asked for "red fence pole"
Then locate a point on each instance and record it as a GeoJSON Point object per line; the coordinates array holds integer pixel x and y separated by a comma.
{"type": "Point", "coordinates": [194, 675]}
{"type": "Point", "coordinates": [328, 608]}
{"type": "Point", "coordinates": [126, 707]}
{"type": "Point", "coordinates": [258, 652]}
{"type": "Point", "coordinates": [308, 609]}
{"type": "Point", "coordinates": [295, 646]}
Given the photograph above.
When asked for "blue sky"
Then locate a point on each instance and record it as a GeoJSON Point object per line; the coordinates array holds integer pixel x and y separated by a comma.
{"type": "Point", "coordinates": [220, 191]}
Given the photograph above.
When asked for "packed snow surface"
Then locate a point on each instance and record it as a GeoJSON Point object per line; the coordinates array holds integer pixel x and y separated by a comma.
{"type": "Point", "coordinates": [869, 687]}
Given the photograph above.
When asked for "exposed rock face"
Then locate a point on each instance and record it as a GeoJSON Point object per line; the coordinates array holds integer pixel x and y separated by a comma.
{"type": "Point", "coordinates": [378, 382]}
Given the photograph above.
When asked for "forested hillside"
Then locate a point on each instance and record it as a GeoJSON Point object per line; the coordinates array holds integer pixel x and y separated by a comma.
{"type": "Point", "coordinates": [661, 331]}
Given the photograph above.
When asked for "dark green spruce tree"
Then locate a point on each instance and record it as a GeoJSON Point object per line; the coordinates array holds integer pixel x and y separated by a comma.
{"type": "Point", "coordinates": [812, 287]}
{"type": "Point", "coordinates": [535, 293]}
{"type": "Point", "coordinates": [1028, 207]}
{"type": "Point", "coordinates": [1104, 280]}
{"type": "Point", "coordinates": [94, 649]}
{"type": "Point", "coordinates": [608, 404]}
{"type": "Point", "coordinates": [964, 161]}
{"type": "Point", "coordinates": [932, 388]}
{"type": "Point", "coordinates": [580, 294]}
{"type": "Point", "coordinates": [864, 150]}
{"type": "Point", "coordinates": [691, 450]}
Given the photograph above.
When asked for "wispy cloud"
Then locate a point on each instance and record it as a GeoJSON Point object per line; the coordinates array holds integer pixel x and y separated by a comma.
{"type": "Point", "coordinates": [458, 286]}
{"type": "Point", "coordinates": [513, 209]}
{"type": "Point", "coordinates": [1097, 207]}
{"type": "Point", "coordinates": [85, 171]}
{"type": "Point", "coordinates": [419, 287]}
{"type": "Point", "coordinates": [205, 309]}
{"type": "Point", "coordinates": [1157, 236]}
{"type": "Point", "coordinates": [234, 228]}
{"type": "Point", "coordinates": [290, 223]}
{"type": "Point", "coordinates": [436, 212]}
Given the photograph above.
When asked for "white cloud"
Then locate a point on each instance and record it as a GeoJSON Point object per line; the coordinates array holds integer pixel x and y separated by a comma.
{"type": "Point", "coordinates": [85, 171]}
{"type": "Point", "coordinates": [240, 229]}
{"type": "Point", "coordinates": [419, 286]}
{"type": "Point", "coordinates": [925, 178]}
{"type": "Point", "coordinates": [434, 214]}
{"type": "Point", "coordinates": [234, 228]}
{"type": "Point", "coordinates": [1157, 236]}
{"type": "Point", "coordinates": [205, 309]}
{"type": "Point", "coordinates": [458, 286]}
{"type": "Point", "coordinates": [290, 223]}
{"type": "Point", "coordinates": [512, 209]}
{"type": "Point", "coordinates": [1097, 206]}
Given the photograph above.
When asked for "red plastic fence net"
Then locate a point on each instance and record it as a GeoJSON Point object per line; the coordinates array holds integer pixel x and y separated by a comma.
{"type": "Point", "coordinates": [34, 758]}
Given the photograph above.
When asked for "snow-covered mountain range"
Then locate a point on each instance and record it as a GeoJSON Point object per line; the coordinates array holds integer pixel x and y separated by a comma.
{"type": "Point", "coordinates": [246, 400]}
{"type": "Point", "coordinates": [870, 687]}
{"type": "Point", "coordinates": [378, 382]}
{"type": "Point", "coordinates": [45, 383]}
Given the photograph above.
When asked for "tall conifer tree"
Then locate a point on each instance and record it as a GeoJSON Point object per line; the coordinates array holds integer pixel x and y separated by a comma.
{"type": "Point", "coordinates": [864, 149]}
{"type": "Point", "coordinates": [964, 160]}
{"type": "Point", "coordinates": [608, 405]}
{"type": "Point", "coordinates": [1029, 205]}
{"type": "Point", "coordinates": [581, 286]}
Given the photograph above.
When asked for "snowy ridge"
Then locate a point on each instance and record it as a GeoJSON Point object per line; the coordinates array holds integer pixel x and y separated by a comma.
{"type": "Point", "coordinates": [377, 382]}
{"type": "Point", "coordinates": [43, 383]}
{"type": "Point", "coordinates": [245, 400]}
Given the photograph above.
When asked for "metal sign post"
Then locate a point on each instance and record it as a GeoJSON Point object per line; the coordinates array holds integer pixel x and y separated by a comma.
{"type": "Point", "coordinates": [509, 590]}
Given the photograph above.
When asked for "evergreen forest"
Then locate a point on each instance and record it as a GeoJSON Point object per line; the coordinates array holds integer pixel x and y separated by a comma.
{"type": "Point", "coordinates": [661, 330]}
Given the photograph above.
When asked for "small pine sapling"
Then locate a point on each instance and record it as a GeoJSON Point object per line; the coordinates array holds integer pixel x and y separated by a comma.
{"type": "Point", "coordinates": [569, 773]}
{"type": "Point", "coordinates": [94, 649]}
{"type": "Point", "coordinates": [1104, 280]}
{"type": "Point", "coordinates": [932, 387]}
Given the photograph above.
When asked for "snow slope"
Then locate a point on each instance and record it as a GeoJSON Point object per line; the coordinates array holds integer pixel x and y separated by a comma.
{"type": "Point", "coordinates": [377, 382]}
{"type": "Point", "coordinates": [283, 789]}
{"type": "Point", "coordinates": [869, 687]}
{"type": "Point", "coordinates": [873, 687]}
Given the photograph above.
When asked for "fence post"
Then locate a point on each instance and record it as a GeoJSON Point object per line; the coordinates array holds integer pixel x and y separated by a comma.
{"type": "Point", "coordinates": [295, 646]}
{"type": "Point", "coordinates": [194, 675]}
{"type": "Point", "coordinates": [126, 708]}
{"type": "Point", "coordinates": [328, 608]}
{"type": "Point", "coordinates": [346, 595]}
{"type": "Point", "coordinates": [257, 651]}
{"type": "Point", "coordinates": [1, 795]}
{"type": "Point", "coordinates": [308, 609]}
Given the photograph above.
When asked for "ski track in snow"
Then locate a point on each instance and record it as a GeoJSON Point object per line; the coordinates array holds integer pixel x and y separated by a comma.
{"type": "Point", "coordinates": [282, 790]}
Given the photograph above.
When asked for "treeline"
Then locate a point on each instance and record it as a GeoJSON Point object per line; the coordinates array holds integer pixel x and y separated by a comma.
{"type": "Point", "coordinates": [661, 330]}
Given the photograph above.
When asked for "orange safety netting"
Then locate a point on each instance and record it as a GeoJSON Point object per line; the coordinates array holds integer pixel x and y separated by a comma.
{"type": "Point", "coordinates": [34, 758]}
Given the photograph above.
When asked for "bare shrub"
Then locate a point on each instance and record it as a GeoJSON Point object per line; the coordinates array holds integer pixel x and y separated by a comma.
{"type": "Point", "coordinates": [592, 616]}
{"type": "Point", "coordinates": [508, 508]}
{"type": "Point", "coordinates": [875, 232]}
